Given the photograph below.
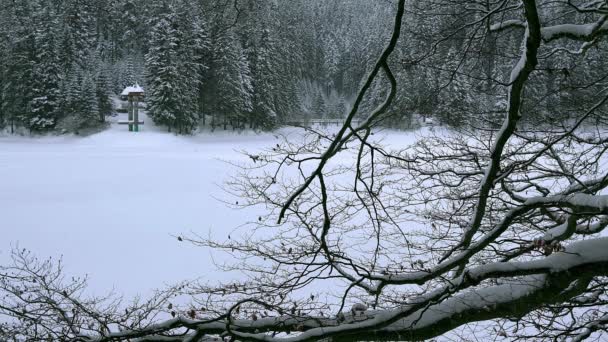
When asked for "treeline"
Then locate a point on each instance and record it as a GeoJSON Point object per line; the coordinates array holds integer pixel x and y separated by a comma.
{"type": "Point", "coordinates": [259, 63]}
{"type": "Point", "coordinates": [249, 63]}
{"type": "Point", "coordinates": [62, 60]}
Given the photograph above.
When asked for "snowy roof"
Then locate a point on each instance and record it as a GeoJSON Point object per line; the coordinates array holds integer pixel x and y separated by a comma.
{"type": "Point", "coordinates": [132, 89]}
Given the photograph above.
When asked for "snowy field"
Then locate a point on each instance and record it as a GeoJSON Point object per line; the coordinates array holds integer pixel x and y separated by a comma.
{"type": "Point", "coordinates": [112, 203]}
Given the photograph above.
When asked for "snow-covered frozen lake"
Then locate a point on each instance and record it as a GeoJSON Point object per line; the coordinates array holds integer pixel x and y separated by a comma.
{"type": "Point", "coordinates": [112, 203]}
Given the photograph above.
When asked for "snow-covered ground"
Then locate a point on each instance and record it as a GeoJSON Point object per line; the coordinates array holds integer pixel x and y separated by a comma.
{"type": "Point", "coordinates": [112, 203]}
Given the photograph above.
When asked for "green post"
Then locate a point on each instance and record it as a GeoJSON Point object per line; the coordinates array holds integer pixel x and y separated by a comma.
{"type": "Point", "coordinates": [136, 113]}
{"type": "Point", "coordinates": [130, 113]}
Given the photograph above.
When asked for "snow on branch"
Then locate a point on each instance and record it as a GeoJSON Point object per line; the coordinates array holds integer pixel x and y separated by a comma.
{"type": "Point", "coordinates": [583, 32]}
{"type": "Point", "coordinates": [422, 318]}
{"type": "Point", "coordinates": [507, 24]}
{"type": "Point", "coordinates": [580, 32]}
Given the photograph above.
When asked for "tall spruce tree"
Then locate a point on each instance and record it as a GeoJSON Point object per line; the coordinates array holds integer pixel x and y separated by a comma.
{"type": "Point", "coordinates": [89, 100]}
{"type": "Point", "coordinates": [265, 82]}
{"type": "Point", "coordinates": [162, 76]}
{"type": "Point", "coordinates": [18, 70]}
{"type": "Point", "coordinates": [104, 102]}
{"type": "Point", "coordinates": [44, 105]}
{"type": "Point", "coordinates": [195, 51]}
{"type": "Point", "coordinates": [79, 32]}
{"type": "Point", "coordinates": [232, 90]}
{"type": "Point", "coordinates": [172, 78]}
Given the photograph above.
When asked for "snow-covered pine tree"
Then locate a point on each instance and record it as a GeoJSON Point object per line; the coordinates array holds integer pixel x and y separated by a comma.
{"type": "Point", "coordinates": [116, 84]}
{"type": "Point", "coordinates": [16, 87]}
{"type": "Point", "coordinates": [287, 56]}
{"type": "Point", "coordinates": [232, 91]}
{"type": "Point", "coordinates": [80, 105]}
{"type": "Point", "coordinates": [196, 54]}
{"type": "Point", "coordinates": [161, 72]}
{"type": "Point", "coordinates": [18, 70]}
{"type": "Point", "coordinates": [72, 92]}
{"type": "Point", "coordinates": [130, 24]}
{"type": "Point", "coordinates": [44, 105]}
{"type": "Point", "coordinates": [172, 78]}
{"type": "Point", "coordinates": [319, 107]}
{"type": "Point", "coordinates": [201, 51]}
{"type": "Point", "coordinates": [128, 73]}
{"type": "Point", "coordinates": [103, 87]}
{"type": "Point", "coordinates": [78, 34]}
{"type": "Point", "coordinates": [265, 82]}
{"type": "Point", "coordinates": [4, 60]}
{"type": "Point", "coordinates": [246, 92]}
{"type": "Point", "coordinates": [90, 104]}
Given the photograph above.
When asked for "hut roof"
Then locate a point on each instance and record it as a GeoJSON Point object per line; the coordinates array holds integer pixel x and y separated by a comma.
{"type": "Point", "coordinates": [132, 89]}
